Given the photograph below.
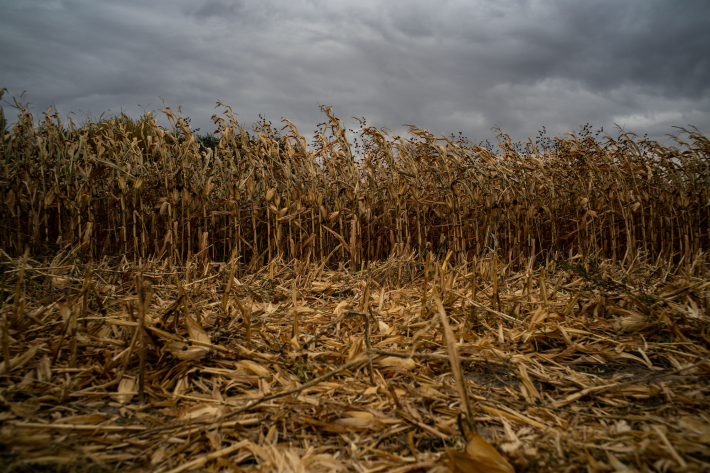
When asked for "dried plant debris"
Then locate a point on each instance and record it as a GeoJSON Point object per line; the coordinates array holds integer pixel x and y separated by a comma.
{"type": "Point", "coordinates": [166, 368]}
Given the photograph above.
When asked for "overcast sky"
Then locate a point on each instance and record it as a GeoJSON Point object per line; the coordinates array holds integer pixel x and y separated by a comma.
{"type": "Point", "coordinates": [447, 66]}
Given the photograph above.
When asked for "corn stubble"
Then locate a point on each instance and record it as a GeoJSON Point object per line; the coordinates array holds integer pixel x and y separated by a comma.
{"type": "Point", "coordinates": [420, 304]}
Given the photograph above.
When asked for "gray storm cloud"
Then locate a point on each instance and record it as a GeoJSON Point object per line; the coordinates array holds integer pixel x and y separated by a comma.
{"type": "Point", "coordinates": [446, 66]}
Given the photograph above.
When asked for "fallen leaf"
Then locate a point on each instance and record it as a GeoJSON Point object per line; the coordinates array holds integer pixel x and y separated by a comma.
{"type": "Point", "coordinates": [396, 362]}
{"type": "Point", "coordinates": [126, 390]}
{"type": "Point", "coordinates": [479, 456]}
{"type": "Point", "coordinates": [256, 369]}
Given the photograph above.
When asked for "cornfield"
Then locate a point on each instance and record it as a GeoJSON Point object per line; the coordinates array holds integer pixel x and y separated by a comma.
{"type": "Point", "coordinates": [378, 303]}
{"type": "Point", "coordinates": [150, 193]}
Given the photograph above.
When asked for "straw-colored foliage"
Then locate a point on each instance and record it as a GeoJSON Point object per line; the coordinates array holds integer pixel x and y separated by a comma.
{"type": "Point", "coordinates": [420, 304]}
{"type": "Point", "coordinates": [133, 189]}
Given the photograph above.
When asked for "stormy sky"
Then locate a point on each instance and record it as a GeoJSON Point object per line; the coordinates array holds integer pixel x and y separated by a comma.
{"type": "Point", "coordinates": [446, 66]}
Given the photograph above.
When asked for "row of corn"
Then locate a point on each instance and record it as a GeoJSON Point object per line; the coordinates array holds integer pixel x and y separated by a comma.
{"type": "Point", "coordinates": [130, 188]}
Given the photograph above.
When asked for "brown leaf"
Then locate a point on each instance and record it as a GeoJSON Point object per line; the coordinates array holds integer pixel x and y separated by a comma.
{"type": "Point", "coordinates": [479, 456]}
{"type": "Point", "coordinates": [126, 390]}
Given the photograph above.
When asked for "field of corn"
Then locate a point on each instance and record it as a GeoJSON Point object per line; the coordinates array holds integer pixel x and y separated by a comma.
{"type": "Point", "coordinates": [253, 302]}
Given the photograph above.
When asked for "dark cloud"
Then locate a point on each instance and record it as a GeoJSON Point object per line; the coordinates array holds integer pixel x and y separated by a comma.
{"type": "Point", "coordinates": [218, 9]}
{"type": "Point", "coordinates": [447, 66]}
